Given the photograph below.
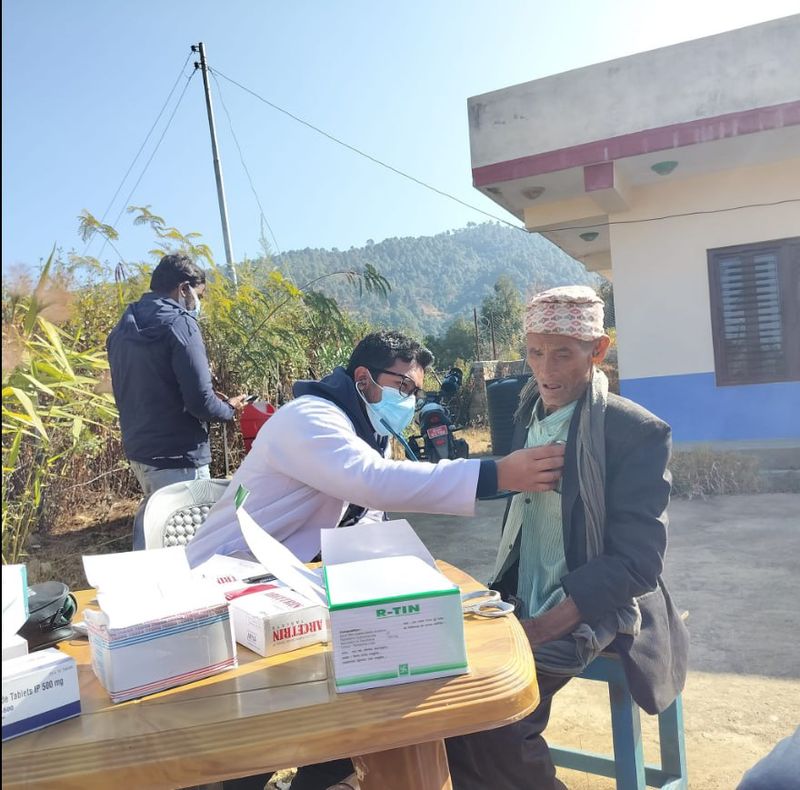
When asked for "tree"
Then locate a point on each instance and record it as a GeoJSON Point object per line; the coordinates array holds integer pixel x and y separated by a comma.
{"type": "Point", "coordinates": [606, 292]}
{"type": "Point", "coordinates": [502, 313]}
{"type": "Point", "coordinates": [458, 342]}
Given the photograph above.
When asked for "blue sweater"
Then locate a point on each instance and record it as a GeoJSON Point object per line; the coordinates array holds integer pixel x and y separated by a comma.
{"type": "Point", "coordinates": [162, 385]}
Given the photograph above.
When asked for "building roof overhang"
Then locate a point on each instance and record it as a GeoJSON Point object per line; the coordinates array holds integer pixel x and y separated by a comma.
{"type": "Point", "coordinates": [571, 150]}
{"type": "Point", "coordinates": [568, 194]}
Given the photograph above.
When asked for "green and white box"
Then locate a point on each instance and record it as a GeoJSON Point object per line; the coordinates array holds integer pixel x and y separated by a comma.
{"type": "Point", "coordinates": [394, 617]}
{"type": "Point", "coordinates": [393, 620]}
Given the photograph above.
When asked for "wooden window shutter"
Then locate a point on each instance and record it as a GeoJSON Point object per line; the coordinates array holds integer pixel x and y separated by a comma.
{"type": "Point", "coordinates": [754, 304]}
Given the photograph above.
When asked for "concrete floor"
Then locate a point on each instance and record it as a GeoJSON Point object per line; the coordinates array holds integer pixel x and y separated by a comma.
{"type": "Point", "coordinates": [734, 563]}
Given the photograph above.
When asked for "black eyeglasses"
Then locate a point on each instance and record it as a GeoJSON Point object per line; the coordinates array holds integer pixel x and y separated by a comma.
{"type": "Point", "coordinates": [407, 385]}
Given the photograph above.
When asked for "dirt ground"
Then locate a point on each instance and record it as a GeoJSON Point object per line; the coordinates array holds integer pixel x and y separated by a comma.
{"type": "Point", "coordinates": [103, 526]}
{"type": "Point", "coordinates": [733, 563]}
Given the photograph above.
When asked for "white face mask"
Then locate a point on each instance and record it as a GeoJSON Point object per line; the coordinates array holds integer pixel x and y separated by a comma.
{"type": "Point", "coordinates": [184, 303]}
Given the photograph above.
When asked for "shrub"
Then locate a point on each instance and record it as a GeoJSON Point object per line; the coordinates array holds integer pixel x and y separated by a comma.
{"type": "Point", "coordinates": [705, 472]}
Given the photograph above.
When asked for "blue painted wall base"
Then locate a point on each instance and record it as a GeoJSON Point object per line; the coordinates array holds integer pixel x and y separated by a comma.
{"type": "Point", "coordinates": [627, 766]}
{"type": "Point", "coordinates": [700, 411]}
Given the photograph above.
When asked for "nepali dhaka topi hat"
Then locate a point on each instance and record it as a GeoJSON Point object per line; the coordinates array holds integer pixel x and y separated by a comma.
{"type": "Point", "coordinates": [572, 310]}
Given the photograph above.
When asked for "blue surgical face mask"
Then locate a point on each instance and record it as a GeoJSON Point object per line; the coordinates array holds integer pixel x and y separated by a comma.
{"type": "Point", "coordinates": [182, 301]}
{"type": "Point", "coordinates": [392, 413]}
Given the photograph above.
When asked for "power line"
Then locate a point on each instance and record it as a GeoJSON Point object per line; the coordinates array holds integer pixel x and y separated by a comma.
{"type": "Point", "coordinates": [441, 192]}
{"type": "Point", "coordinates": [672, 216]}
{"type": "Point", "coordinates": [150, 159]}
{"type": "Point", "coordinates": [366, 155]}
{"type": "Point", "coordinates": [141, 148]}
{"type": "Point", "coordinates": [244, 166]}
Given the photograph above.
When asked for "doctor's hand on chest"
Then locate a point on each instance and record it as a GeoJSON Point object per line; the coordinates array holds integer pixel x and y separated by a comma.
{"type": "Point", "coordinates": [534, 469]}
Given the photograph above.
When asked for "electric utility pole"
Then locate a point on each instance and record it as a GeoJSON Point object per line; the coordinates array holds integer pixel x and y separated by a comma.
{"type": "Point", "coordinates": [223, 208]}
{"type": "Point", "coordinates": [491, 331]}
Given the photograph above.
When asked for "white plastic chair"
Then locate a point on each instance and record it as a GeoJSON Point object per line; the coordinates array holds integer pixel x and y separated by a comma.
{"type": "Point", "coordinates": [173, 514]}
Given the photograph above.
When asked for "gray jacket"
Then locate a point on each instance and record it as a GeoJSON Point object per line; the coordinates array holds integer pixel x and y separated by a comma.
{"type": "Point", "coordinates": [637, 494]}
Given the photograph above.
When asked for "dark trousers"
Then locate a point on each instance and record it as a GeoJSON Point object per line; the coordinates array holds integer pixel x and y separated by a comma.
{"type": "Point", "coordinates": [256, 782]}
{"type": "Point", "coordinates": [322, 775]}
{"type": "Point", "coordinates": [309, 777]}
{"type": "Point", "coordinates": [514, 757]}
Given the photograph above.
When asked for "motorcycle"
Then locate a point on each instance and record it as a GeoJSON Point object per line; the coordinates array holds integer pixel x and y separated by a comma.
{"type": "Point", "coordinates": [435, 440]}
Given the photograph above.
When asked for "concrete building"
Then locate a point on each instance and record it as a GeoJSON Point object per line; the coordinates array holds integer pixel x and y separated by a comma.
{"type": "Point", "coordinates": [676, 173]}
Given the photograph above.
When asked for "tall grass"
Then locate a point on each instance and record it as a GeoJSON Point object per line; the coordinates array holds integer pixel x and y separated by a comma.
{"type": "Point", "coordinates": [53, 406]}
{"type": "Point", "coordinates": [61, 445]}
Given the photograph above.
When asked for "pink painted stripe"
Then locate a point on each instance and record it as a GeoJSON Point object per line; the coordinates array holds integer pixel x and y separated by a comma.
{"type": "Point", "coordinates": [599, 176]}
{"type": "Point", "coordinates": [663, 138]}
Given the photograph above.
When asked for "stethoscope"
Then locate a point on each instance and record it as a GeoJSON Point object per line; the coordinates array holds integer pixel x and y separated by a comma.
{"type": "Point", "coordinates": [488, 603]}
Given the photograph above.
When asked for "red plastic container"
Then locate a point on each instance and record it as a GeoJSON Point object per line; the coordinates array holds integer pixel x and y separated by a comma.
{"type": "Point", "coordinates": [253, 417]}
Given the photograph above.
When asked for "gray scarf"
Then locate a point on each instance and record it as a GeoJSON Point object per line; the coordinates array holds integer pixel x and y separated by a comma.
{"type": "Point", "coordinates": [591, 452]}
{"type": "Point", "coordinates": [591, 458]}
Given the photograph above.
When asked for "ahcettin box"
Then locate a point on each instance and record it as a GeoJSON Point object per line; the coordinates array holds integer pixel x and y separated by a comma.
{"type": "Point", "coordinates": [277, 620]}
{"type": "Point", "coordinates": [393, 620]}
{"type": "Point", "coordinates": [268, 616]}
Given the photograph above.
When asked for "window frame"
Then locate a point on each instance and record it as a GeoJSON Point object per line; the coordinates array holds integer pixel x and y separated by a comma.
{"type": "Point", "coordinates": [787, 251]}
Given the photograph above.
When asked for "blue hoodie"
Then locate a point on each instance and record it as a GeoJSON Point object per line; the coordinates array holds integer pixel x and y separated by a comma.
{"type": "Point", "coordinates": [162, 385]}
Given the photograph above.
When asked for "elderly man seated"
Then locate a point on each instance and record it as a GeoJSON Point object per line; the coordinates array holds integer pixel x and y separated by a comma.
{"type": "Point", "coordinates": [583, 562]}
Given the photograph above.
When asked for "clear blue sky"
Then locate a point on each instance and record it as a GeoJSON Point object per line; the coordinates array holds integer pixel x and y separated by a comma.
{"type": "Point", "coordinates": [83, 83]}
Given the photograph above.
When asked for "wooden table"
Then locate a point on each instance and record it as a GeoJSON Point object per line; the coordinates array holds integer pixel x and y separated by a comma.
{"type": "Point", "coordinates": [271, 713]}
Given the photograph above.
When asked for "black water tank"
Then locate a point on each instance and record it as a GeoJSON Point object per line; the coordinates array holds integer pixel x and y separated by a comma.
{"type": "Point", "coordinates": [502, 396]}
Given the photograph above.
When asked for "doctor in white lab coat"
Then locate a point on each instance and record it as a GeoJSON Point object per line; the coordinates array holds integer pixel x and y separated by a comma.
{"type": "Point", "coordinates": [320, 461]}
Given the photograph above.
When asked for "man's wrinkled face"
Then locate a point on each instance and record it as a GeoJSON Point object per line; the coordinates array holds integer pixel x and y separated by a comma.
{"type": "Point", "coordinates": [563, 365]}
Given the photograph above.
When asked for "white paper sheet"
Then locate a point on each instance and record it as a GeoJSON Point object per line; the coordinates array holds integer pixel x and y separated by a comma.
{"type": "Point", "coordinates": [370, 541]}
{"type": "Point", "coordinates": [140, 586]}
{"type": "Point", "coordinates": [221, 569]}
{"type": "Point", "coordinates": [277, 559]}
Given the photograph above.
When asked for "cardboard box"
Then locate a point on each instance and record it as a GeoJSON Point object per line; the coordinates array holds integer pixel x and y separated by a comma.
{"type": "Point", "coordinates": [158, 626]}
{"type": "Point", "coordinates": [394, 617]}
{"type": "Point", "coordinates": [277, 620]}
{"type": "Point", "coordinates": [268, 617]}
{"type": "Point", "coordinates": [393, 620]}
{"type": "Point", "coordinates": [14, 647]}
{"type": "Point", "coordinates": [15, 610]}
{"type": "Point", "coordinates": [38, 690]}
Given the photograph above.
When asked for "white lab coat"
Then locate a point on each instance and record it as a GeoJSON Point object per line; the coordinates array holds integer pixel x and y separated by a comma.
{"type": "Point", "coordinates": [307, 465]}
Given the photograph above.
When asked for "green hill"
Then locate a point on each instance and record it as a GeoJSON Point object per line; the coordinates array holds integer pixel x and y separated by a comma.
{"type": "Point", "coordinates": [438, 278]}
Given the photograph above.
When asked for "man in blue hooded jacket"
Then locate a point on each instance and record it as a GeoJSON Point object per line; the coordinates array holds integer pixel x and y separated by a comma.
{"type": "Point", "coordinates": [162, 382]}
